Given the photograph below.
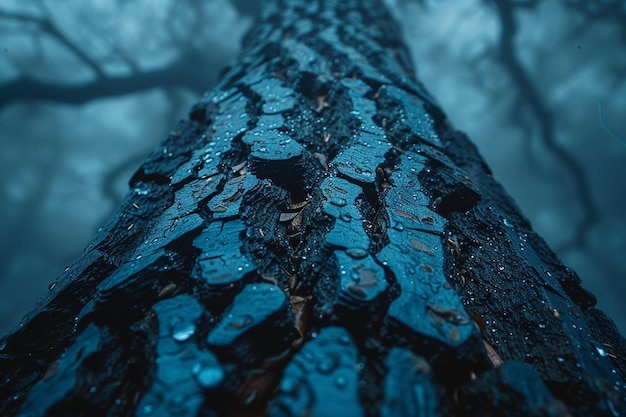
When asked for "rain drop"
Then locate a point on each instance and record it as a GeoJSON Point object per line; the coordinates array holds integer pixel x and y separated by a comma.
{"type": "Point", "coordinates": [346, 217]}
{"type": "Point", "coordinates": [601, 351]}
{"type": "Point", "coordinates": [207, 376]}
{"type": "Point", "coordinates": [398, 226]}
{"type": "Point", "coordinates": [147, 409]}
{"type": "Point", "coordinates": [326, 365]}
{"type": "Point", "coordinates": [339, 202]}
{"type": "Point", "coordinates": [341, 381]}
{"type": "Point", "coordinates": [183, 331]}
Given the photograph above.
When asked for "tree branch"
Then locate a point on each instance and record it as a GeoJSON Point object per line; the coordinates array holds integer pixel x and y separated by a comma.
{"type": "Point", "coordinates": [184, 73]}
{"type": "Point", "coordinates": [532, 98]}
{"type": "Point", "coordinates": [48, 27]}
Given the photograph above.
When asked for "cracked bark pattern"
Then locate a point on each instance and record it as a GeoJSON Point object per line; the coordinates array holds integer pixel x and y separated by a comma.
{"type": "Point", "coordinates": [316, 240]}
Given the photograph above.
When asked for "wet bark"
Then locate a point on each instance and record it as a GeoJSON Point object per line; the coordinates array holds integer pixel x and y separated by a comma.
{"type": "Point", "coordinates": [316, 239]}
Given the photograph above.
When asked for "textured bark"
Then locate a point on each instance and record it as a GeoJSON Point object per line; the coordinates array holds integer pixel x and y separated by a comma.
{"type": "Point", "coordinates": [316, 240]}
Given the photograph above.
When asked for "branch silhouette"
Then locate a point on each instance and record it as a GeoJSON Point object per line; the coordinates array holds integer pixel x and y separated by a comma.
{"type": "Point", "coordinates": [531, 98]}
{"type": "Point", "coordinates": [48, 27]}
{"type": "Point", "coordinates": [183, 73]}
{"type": "Point", "coordinates": [193, 70]}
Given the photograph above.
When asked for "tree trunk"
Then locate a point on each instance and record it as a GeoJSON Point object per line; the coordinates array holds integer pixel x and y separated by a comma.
{"type": "Point", "coordinates": [316, 240]}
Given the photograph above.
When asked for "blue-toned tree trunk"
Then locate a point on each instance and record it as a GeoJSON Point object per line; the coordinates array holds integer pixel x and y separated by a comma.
{"type": "Point", "coordinates": [316, 240]}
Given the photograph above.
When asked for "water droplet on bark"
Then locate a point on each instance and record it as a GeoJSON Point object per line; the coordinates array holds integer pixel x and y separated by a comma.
{"type": "Point", "coordinates": [346, 217]}
{"type": "Point", "coordinates": [326, 365]}
{"type": "Point", "coordinates": [183, 331]}
{"type": "Point", "coordinates": [207, 376]}
{"type": "Point", "coordinates": [398, 226]}
{"type": "Point", "coordinates": [341, 381]}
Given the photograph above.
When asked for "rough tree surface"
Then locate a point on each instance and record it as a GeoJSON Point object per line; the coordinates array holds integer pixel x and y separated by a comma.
{"type": "Point", "coordinates": [316, 240]}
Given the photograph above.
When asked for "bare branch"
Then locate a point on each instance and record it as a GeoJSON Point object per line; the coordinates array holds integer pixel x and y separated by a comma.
{"type": "Point", "coordinates": [183, 73]}
{"type": "Point", "coordinates": [532, 98]}
{"type": "Point", "coordinates": [49, 28]}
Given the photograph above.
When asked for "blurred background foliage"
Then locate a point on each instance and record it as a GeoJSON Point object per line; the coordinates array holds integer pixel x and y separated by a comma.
{"type": "Point", "coordinates": [89, 87]}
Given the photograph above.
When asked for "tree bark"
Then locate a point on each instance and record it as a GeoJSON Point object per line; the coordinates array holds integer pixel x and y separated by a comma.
{"type": "Point", "coordinates": [316, 239]}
